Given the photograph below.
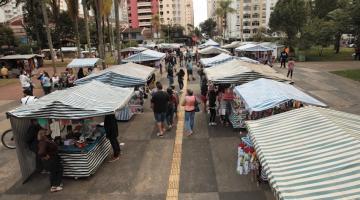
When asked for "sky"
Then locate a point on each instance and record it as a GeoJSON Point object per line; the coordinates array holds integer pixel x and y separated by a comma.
{"type": "Point", "coordinates": [200, 11]}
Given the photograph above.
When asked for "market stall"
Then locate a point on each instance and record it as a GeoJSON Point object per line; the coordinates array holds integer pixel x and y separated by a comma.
{"type": "Point", "coordinates": [309, 153]}
{"type": "Point", "coordinates": [73, 116]}
{"type": "Point", "coordinates": [254, 51]}
{"type": "Point", "coordinates": [127, 75]}
{"type": "Point", "coordinates": [232, 46]}
{"type": "Point", "coordinates": [222, 58]}
{"type": "Point", "coordinates": [131, 51]}
{"type": "Point", "coordinates": [147, 57]}
{"type": "Point", "coordinates": [16, 63]}
{"type": "Point", "coordinates": [69, 52]}
{"type": "Point", "coordinates": [212, 51]}
{"type": "Point", "coordinates": [84, 63]}
{"type": "Point", "coordinates": [263, 97]}
{"type": "Point", "coordinates": [209, 43]}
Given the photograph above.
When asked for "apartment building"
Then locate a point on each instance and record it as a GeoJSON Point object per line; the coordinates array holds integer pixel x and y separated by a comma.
{"type": "Point", "coordinates": [140, 12]}
{"type": "Point", "coordinates": [10, 11]}
{"type": "Point", "coordinates": [249, 16]}
{"type": "Point", "coordinates": [178, 12]}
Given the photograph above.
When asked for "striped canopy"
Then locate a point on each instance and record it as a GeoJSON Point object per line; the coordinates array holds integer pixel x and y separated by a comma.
{"type": "Point", "coordinates": [253, 48]}
{"type": "Point", "coordinates": [208, 43]}
{"type": "Point", "coordinates": [126, 75]}
{"type": "Point", "coordinates": [147, 55]}
{"type": "Point", "coordinates": [239, 72]}
{"type": "Point", "coordinates": [222, 58]}
{"type": "Point", "coordinates": [88, 100]}
{"type": "Point", "coordinates": [310, 153]}
{"type": "Point", "coordinates": [83, 62]}
{"type": "Point", "coordinates": [262, 94]}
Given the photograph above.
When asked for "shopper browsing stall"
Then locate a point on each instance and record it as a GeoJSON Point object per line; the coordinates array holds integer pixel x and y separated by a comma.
{"type": "Point", "coordinates": [111, 129]}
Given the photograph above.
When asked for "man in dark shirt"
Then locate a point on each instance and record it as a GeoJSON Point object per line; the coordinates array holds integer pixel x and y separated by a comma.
{"type": "Point", "coordinates": [283, 58]}
{"type": "Point", "coordinates": [159, 104]}
{"type": "Point", "coordinates": [111, 129]}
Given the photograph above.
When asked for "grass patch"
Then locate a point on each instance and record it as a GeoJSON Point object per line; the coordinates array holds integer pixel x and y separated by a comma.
{"type": "Point", "coordinates": [9, 81]}
{"type": "Point", "coordinates": [353, 74]}
{"type": "Point", "coordinates": [345, 54]}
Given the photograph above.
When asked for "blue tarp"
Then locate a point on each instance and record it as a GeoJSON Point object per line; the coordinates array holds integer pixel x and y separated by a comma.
{"type": "Point", "coordinates": [263, 94]}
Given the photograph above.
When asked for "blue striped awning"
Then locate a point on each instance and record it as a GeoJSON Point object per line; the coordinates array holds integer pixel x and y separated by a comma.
{"type": "Point", "coordinates": [310, 153]}
{"type": "Point", "coordinates": [222, 58]}
{"type": "Point", "coordinates": [88, 100]}
{"type": "Point", "coordinates": [262, 94]}
{"type": "Point", "coordinates": [126, 75]}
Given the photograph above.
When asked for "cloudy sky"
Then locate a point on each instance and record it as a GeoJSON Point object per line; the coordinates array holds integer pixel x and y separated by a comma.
{"type": "Point", "coordinates": [200, 11]}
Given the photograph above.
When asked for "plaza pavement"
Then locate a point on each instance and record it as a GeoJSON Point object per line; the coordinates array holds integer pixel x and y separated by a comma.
{"type": "Point", "coordinates": [208, 167]}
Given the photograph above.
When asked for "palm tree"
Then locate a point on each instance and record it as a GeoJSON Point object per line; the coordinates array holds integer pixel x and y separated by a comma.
{"type": "Point", "coordinates": [48, 34]}
{"type": "Point", "coordinates": [73, 11]}
{"type": "Point", "coordinates": [224, 8]}
{"type": "Point", "coordinates": [117, 26]}
{"type": "Point", "coordinates": [106, 11]}
{"type": "Point", "coordinates": [86, 16]}
{"type": "Point", "coordinates": [155, 24]}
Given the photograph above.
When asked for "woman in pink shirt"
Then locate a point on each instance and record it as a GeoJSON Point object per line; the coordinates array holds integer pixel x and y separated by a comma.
{"type": "Point", "coordinates": [291, 66]}
{"type": "Point", "coordinates": [189, 106]}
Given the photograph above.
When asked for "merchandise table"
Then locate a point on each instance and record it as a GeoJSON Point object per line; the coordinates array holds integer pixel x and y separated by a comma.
{"type": "Point", "coordinates": [85, 161]}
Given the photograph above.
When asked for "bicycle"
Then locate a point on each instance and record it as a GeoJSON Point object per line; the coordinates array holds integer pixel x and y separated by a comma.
{"type": "Point", "coordinates": [7, 139]}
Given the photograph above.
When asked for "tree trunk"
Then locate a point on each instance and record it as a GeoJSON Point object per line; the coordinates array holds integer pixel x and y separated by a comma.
{"type": "Point", "coordinates": [104, 34]}
{"type": "Point", "coordinates": [76, 23]}
{"type": "Point", "coordinates": [110, 34]}
{"type": "Point", "coordinates": [337, 43]}
{"type": "Point", "coordinates": [48, 34]}
{"type": "Point", "coordinates": [87, 30]}
{"type": "Point", "coordinates": [117, 26]}
{"type": "Point", "coordinates": [99, 29]}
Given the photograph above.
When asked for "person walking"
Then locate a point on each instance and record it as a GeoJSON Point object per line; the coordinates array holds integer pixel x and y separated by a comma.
{"type": "Point", "coordinates": [171, 108]}
{"type": "Point", "coordinates": [189, 69]}
{"type": "Point", "coordinates": [112, 132]}
{"type": "Point", "coordinates": [212, 105]}
{"type": "Point", "coordinates": [48, 153]}
{"type": "Point", "coordinates": [46, 83]}
{"type": "Point", "coordinates": [180, 76]}
{"type": "Point", "coordinates": [26, 82]}
{"type": "Point", "coordinates": [291, 66]}
{"type": "Point", "coordinates": [170, 73]}
{"type": "Point", "coordinates": [159, 103]}
{"type": "Point", "coordinates": [28, 98]}
{"type": "Point", "coordinates": [189, 104]}
{"type": "Point", "coordinates": [283, 58]}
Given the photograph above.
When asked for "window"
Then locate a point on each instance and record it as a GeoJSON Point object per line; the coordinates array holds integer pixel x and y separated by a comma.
{"type": "Point", "coordinates": [246, 31]}
{"type": "Point", "coordinates": [247, 8]}
{"type": "Point", "coordinates": [255, 30]}
{"type": "Point", "coordinates": [255, 15]}
{"type": "Point", "coordinates": [255, 23]}
{"type": "Point", "coordinates": [246, 23]}
{"type": "Point", "coordinates": [247, 16]}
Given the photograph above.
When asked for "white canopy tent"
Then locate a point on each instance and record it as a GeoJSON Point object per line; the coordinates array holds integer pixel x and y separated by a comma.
{"type": "Point", "coordinates": [147, 55]}
{"type": "Point", "coordinates": [253, 48]}
{"type": "Point", "coordinates": [133, 49]}
{"type": "Point", "coordinates": [222, 58]}
{"type": "Point", "coordinates": [84, 62]}
{"type": "Point", "coordinates": [213, 50]}
{"type": "Point", "coordinates": [208, 43]}
{"type": "Point", "coordinates": [232, 45]}
{"type": "Point", "coordinates": [262, 94]}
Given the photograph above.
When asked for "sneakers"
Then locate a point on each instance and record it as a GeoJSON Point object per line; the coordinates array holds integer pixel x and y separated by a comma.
{"type": "Point", "coordinates": [56, 188]}
{"type": "Point", "coordinates": [113, 159]}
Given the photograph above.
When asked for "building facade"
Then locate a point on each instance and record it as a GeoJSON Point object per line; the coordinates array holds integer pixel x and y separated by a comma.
{"type": "Point", "coordinates": [177, 12]}
{"type": "Point", "coordinates": [140, 12]}
{"type": "Point", "coordinates": [10, 11]}
{"type": "Point", "coordinates": [248, 18]}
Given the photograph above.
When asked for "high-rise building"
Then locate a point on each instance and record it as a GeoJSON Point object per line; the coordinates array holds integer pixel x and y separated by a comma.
{"type": "Point", "coordinates": [140, 12]}
{"type": "Point", "coordinates": [248, 17]}
{"type": "Point", "coordinates": [177, 12]}
{"type": "Point", "coordinates": [10, 11]}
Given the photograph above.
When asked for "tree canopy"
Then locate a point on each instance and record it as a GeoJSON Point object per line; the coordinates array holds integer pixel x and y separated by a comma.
{"type": "Point", "coordinates": [208, 27]}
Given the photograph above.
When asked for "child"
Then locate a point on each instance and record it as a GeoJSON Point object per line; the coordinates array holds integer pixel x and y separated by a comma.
{"type": "Point", "coordinates": [291, 66]}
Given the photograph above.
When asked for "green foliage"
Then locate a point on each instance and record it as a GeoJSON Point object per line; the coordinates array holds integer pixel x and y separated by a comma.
{"type": "Point", "coordinates": [328, 54]}
{"type": "Point", "coordinates": [174, 31]}
{"type": "Point", "coordinates": [318, 32]}
{"type": "Point", "coordinates": [197, 32]}
{"type": "Point", "coordinates": [208, 27]}
{"type": "Point", "coordinates": [323, 7]}
{"type": "Point", "coordinates": [289, 16]}
{"type": "Point", "coordinates": [23, 49]}
{"type": "Point", "coordinates": [7, 37]}
{"type": "Point", "coordinates": [353, 74]}
{"type": "Point", "coordinates": [355, 20]}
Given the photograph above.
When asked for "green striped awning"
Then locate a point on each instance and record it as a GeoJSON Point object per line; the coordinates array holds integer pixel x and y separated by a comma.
{"type": "Point", "coordinates": [310, 153]}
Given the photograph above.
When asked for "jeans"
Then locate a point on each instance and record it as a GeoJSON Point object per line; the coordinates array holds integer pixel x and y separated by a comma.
{"type": "Point", "coordinates": [171, 80]}
{"type": "Point", "coordinates": [160, 117]}
{"type": "Point", "coordinates": [290, 72]}
{"type": "Point", "coordinates": [283, 62]}
{"type": "Point", "coordinates": [54, 166]}
{"type": "Point", "coordinates": [181, 84]}
{"type": "Point", "coordinates": [212, 115]}
{"type": "Point", "coordinates": [189, 121]}
{"type": "Point", "coordinates": [115, 146]}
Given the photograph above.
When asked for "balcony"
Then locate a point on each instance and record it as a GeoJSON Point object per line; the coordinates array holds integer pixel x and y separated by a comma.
{"type": "Point", "coordinates": [144, 11]}
{"type": "Point", "coordinates": [140, 17]}
{"type": "Point", "coordinates": [145, 24]}
{"type": "Point", "coordinates": [142, 4]}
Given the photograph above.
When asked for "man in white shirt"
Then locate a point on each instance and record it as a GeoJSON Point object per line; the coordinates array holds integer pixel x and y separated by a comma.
{"type": "Point", "coordinates": [28, 98]}
{"type": "Point", "coordinates": [25, 82]}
